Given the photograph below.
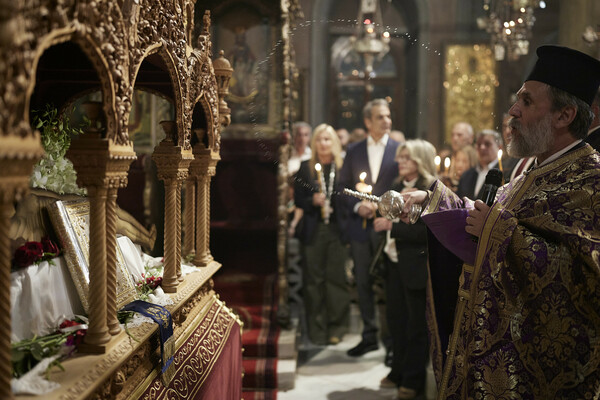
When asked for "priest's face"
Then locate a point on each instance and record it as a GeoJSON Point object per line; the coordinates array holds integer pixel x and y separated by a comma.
{"type": "Point", "coordinates": [531, 121]}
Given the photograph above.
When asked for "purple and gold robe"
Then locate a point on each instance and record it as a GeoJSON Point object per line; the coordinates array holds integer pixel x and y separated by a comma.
{"type": "Point", "coordinates": [527, 319]}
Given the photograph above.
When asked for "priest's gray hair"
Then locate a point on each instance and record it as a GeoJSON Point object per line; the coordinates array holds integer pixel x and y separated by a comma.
{"type": "Point", "coordinates": [584, 117]}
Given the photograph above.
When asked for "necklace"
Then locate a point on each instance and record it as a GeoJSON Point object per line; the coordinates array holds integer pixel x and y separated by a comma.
{"type": "Point", "coordinates": [327, 188]}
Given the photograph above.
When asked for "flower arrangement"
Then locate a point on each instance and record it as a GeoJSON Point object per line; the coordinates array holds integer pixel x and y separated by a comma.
{"type": "Point", "coordinates": [147, 285]}
{"type": "Point", "coordinates": [35, 252]}
{"type": "Point", "coordinates": [55, 172]}
{"type": "Point", "coordinates": [27, 353]}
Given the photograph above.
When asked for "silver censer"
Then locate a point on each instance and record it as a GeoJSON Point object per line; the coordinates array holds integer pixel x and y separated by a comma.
{"type": "Point", "coordinates": [390, 204]}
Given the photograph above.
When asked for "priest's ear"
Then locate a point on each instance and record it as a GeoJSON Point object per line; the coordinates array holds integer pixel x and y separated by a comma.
{"type": "Point", "coordinates": [565, 116]}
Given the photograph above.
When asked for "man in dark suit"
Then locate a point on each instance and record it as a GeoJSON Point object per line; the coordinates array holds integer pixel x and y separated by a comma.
{"type": "Point", "coordinates": [487, 145]}
{"type": "Point", "coordinates": [593, 137]}
{"type": "Point", "coordinates": [374, 156]}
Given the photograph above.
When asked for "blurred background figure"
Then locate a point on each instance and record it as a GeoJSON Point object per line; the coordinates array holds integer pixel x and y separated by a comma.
{"type": "Point", "coordinates": [487, 145]}
{"type": "Point", "coordinates": [461, 135]}
{"type": "Point", "coordinates": [326, 294]}
{"type": "Point", "coordinates": [344, 137]}
{"type": "Point", "coordinates": [357, 135]}
{"type": "Point", "coordinates": [593, 137]}
{"type": "Point", "coordinates": [508, 162]}
{"type": "Point", "coordinates": [464, 159]}
{"type": "Point", "coordinates": [406, 275]}
{"type": "Point", "coordinates": [301, 133]}
{"type": "Point", "coordinates": [398, 136]}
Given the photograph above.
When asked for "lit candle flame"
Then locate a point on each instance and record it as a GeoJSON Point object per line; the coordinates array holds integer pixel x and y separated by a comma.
{"type": "Point", "coordinates": [447, 162]}
{"type": "Point", "coordinates": [318, 167]}
{"type": "Point", "coordinates": [437, 160]}
{"type": "Point", "coordinates": [500, 160]}
{"type": "Point", "coordinates": [362, 176]}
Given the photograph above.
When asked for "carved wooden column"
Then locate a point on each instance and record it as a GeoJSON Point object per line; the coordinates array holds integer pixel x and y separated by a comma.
{"type": "Point", "coordinates": [189, 246]}
{"type": "Point", "coordinates": [6, 211]}
{"type": "Point", "coordinates": [89, 154]}
{"type": "Point", "coordinates": [101, 167]}
{"type": "Point", "coordinates": [180, 181]}
{"type": "Point", "coordinates": [111, 261]}
{"type": "Point", "coordinates": [202, 168]}
{"type": "Point", "coordinates": [97, 333]}
{"type": "Point", "coordinates": [120, 159]}
{"type": "Point", "coordinates": [172, 164]}
{"type": "Point", "coordinates": [17, 157]}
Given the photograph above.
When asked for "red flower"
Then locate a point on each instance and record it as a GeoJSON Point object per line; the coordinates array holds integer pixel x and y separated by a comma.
{"type": "Point", "coordinates": [77, 336]}
{"type": "Point", "coordinates": [49, 246]}
{"type": "Point", "coordinates": [28, 254]}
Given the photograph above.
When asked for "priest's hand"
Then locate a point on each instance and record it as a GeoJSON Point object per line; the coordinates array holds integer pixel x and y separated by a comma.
{"type": "Point", "coordinates": [476, 218]}
{"type": "Point", "coordinates": [412, 197]}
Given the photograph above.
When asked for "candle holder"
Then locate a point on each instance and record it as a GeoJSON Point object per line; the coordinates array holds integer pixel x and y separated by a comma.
{"type": "Point", "coordinates": [390, 204]}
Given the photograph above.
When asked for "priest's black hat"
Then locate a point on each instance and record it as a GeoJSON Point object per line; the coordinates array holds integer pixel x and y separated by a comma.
{"type": "Point", "coordinates": [567, 69]}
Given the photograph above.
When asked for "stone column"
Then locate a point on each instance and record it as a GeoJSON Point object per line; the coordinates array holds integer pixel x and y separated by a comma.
{"type": "Point", "coordinates": [17, 157]}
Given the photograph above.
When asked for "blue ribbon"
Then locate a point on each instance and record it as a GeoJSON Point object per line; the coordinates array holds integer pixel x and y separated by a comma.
{"type": "Point", "coordinates": [162, 317]}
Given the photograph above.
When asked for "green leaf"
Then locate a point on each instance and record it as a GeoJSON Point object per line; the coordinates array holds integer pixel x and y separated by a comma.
{"type": "Point", "coordinates": [37, 351]}
{"type": "Point", "coordinates": [17, 355]}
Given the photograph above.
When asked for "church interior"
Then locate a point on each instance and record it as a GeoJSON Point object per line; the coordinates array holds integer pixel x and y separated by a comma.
{"type": "Point", "coordinates": [144, 153]}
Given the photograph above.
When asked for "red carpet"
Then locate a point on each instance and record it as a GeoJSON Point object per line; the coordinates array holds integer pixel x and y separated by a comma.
{"type": "Point", "coordinates": [254, 299]}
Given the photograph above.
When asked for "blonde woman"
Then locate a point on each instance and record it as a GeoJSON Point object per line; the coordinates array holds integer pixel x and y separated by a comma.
{"type": "Point", "coordinates": [326, 295]}
{"type": "Point", "coordinates": [406, 275]}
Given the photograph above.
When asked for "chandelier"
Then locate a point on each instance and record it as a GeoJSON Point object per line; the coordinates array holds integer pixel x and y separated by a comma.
{"type": "Point", "coordinates": [509, 22]}
{"type": "Point", "coordinates": [371, 40]}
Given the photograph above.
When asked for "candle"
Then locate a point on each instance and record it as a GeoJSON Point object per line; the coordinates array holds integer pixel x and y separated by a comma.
{"type": "Point", "coordinates": [318, 169]}
{"type": "Point", "coordinates": [447, 163]}
{"type": "Point", "coordinates": [500, 160]}
{"type": "Point", "coordinates": [362, 177]}
{"type": "Point", "coordinates": [437, 160]}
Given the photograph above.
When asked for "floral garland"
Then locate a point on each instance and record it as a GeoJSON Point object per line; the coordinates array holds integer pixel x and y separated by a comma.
{"type": "Point", "coordinates": [54, 171]}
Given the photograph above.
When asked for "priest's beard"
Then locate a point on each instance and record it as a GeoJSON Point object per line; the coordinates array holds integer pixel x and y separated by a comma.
{"type": "Point", "coordinates": [530, 140]}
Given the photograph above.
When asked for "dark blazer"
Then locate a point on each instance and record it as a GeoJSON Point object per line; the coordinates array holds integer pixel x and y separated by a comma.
{"type": "Point", "coordinates": [593, 138]}
{"type": "Point", "coordinates": [411, 245]}
{"type": "Point", "coordinates": [466, 184]}
{"type": "Point", "coordinates": [357, 161]}
{"type": "Point", "coordinates": [305, 185]}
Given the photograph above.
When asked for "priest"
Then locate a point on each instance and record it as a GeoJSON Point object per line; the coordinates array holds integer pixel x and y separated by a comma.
{"type": "Point", "coordinates": [527, 319]}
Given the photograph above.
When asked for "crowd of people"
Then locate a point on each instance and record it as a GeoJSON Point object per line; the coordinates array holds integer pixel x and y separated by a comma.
{"type": "Point", "coordinates": [501, 297]}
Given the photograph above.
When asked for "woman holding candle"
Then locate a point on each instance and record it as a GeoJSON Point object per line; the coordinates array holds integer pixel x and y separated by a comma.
{"type": "Point", "coordinates": [406, 275]}
{"type": "Point", "coordinates": [326, 294]}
